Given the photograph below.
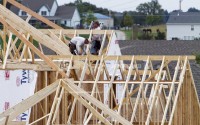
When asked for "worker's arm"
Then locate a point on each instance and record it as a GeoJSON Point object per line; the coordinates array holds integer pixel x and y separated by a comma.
{"type": "Point", "coordinates": [79, 50]}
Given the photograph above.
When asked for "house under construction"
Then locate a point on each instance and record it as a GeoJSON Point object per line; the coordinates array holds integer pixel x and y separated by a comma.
{"type": "Point", "coordinates": [92, 89]}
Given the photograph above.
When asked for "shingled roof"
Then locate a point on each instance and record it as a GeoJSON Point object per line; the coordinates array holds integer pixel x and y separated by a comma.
{"type": "Point", "coordinates": [35, 6]}
{"type": "Point", "coordinates": [153, 47]}
{"type": "Point", "coordinates": [184, 18]}
{"type": "Point", "coordinates": [66, 12]}
{"type": "Point", "coordinates": [159, 47]}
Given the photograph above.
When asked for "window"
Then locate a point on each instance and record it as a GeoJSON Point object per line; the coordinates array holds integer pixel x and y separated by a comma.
{"type": "Point", "coordinates": [65, 22]}
{"type": "Point", "coordinates": [23, 13]}
{"type": "Point", "coordinates": [44, 13]}
{"type": "Point", "coordinates": [192, 27]}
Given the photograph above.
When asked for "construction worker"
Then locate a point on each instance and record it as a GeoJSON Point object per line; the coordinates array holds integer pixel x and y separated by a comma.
{"type": "Point", "coordinates": [96, 44]}
{"type": "Point", "coordinates": [77, 45]}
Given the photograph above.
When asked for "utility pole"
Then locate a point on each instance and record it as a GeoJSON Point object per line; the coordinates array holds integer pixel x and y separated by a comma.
{"type": "Point", "coordinates": [109, 19]}
{"type": "Point", "coordinates": [180, 5]}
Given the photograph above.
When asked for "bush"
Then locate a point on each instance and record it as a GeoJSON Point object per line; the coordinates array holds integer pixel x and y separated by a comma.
{"type": "Point", "coordinates": [160, 36]}
{"type": "Point", "coordinates": [198, 58]}
{"type": "Point", "coordinates": [145, 36]}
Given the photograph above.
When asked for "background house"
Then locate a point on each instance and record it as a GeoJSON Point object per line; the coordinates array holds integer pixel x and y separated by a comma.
{"type": "Point", "coordinates": [64, 15]}
{"type": "Point", "coordinates": [107, 21]}
{"type": "Point", "coordinates": [183, 26]}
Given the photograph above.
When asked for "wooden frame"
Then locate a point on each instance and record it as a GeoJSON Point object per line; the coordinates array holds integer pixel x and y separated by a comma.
{"type": "Point", "coordinates": [70, 89]}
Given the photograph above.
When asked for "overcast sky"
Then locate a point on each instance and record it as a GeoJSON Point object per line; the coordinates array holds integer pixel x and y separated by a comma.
{"type": "Point", "coordinates": [122, 5]}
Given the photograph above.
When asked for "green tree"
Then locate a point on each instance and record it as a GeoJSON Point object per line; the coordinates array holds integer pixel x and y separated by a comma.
{"type": "Point", "coordinates": [89, 17]}
{"type": "Point", "coordinates": [153, 19]}
{"type": "Point", "coordinates": [127, 20]}
{"type": "Point", "coordinates": [192, 9]}
{"type": "Point", "coordinates": [153, 11]}
{"type": "Point", "coordinates": [144, 8]}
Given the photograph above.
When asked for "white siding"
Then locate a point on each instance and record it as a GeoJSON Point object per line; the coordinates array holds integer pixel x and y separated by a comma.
{"type": "Point", "coordinates": [183, 32]}
{"type": "Point", "coordinates": [68, 22]}
{"type": "Point", "coordinates": [44, 8]}
{"type": "Point", "coordinates": [75, 19]}
{"type": "Point", "coordinates": [54, 8]}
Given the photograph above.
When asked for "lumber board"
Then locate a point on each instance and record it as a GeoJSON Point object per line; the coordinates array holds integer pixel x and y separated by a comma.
{"type": "Point", "coordinates": [56, 46]}
{"type": "Point", "coordinates": [124, 57]}
{"type": "Point", "coordinates": [31, 46]}
{"type": "Point", "coordinates": [95, 102]}
{"type": "Point", "coordinates": [72, 31]}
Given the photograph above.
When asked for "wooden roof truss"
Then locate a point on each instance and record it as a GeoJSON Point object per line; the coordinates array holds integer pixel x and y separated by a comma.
{"type": "Point", "coordinates": [148, 96]}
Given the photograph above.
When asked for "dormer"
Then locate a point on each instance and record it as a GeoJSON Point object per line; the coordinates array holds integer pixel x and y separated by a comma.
{"type": "Point", "coordinates": [44, 11]}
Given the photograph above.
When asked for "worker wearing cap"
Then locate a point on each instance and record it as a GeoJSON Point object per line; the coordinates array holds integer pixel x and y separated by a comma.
{"type": "Point", "coordinates": [77, 45]}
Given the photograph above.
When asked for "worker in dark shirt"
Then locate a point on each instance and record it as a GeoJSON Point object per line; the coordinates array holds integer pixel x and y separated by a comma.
{"type": "Point", "coordinates": [96, 39]}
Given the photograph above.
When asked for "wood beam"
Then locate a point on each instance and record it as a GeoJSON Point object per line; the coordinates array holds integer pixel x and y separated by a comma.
{"type": "Point", "coordinates": [124, 57]}
{"type": "Point", "coordinates": [58, 47]}
{"type": "Point", "coordinates": [31, 46]}
{"type": "Point", "coordinates": [75, 90]}
{"type": "Point", "coordinates": [72, 31]}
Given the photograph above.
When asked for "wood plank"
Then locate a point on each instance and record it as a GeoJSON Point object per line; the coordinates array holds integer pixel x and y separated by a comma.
{"type": "Point", "coordinates": [124, 57]}
{"type": "Point", "coordinates": [19, 23]}
{"type": "Point", "coordinates": [72, 90]}
{"type": "Point", "coordinates": [178, 90]}
{"type": "Point", "coordinates": [7, 51]}
{"type": "Point", "coordinates": [31, 46]}
{"type": "Point", "coordinates": [72, 31]}
{"type": "Point", "coordinates": [69, 85]}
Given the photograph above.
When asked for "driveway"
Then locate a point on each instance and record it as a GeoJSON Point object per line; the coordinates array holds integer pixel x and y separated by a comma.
{"type": "Point", "coordinates": [120, 35]}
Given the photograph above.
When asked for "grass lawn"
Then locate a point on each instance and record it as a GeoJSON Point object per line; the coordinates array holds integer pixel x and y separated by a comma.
{"type": "Point", "coordinates": [162, 28]}
{"type": "Point", "coordinates": [129, 33]}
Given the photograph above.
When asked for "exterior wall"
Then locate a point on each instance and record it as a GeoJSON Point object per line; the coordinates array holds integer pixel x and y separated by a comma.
{"type": "Point", "coordinates": [75, 19]}
{"type": "Point", "coordinates": [54, 8]}
{"type": "Point", "coordinates": [107, 22]}
{"type": "Point", "coordinates": [72, 22]}
{"type": "Point", "coordinates": [183, 31]}
{"type": "Point", "coordinates": [43, 8]}
{"type": "Point", "coordinates": [68, 22]}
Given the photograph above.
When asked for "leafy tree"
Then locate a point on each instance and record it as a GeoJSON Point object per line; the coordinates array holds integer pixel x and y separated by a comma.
{"type": "Point", "coordinates": [192, 9]}
{"type": "Point", "coordinates": [176, 11]}
{"type": "Point", "coordinates": [153, 20]}
{"type": "Point", "coordinates": [166, 16]}
{"type": "Point", "coordinates": [152, 10]}
{"type": "Point", "coordinates": [89, 17]}
{"type": "Point", "coordinates": [127, 20]}
{"type": "Point", "coordinates": [144, 9]}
